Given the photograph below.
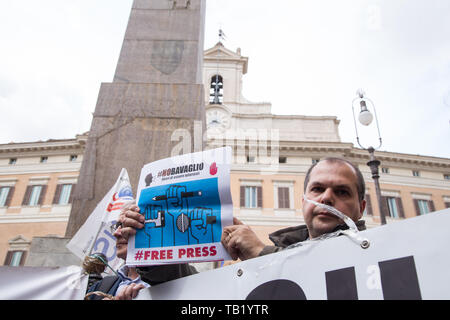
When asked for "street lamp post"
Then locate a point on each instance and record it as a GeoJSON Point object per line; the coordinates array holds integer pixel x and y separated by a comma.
{"type": "Point", "coordinates": [365, 117]}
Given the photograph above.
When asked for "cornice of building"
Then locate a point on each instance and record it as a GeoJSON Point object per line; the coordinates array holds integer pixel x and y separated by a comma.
{"type": "Point", "coordinates": [410, 181]}
{"type": "Point", "coordinates": [283, 117]}
{"type": "Point", "coordinates": [290, 146]}
{"type": "Point", "coordinates": [315, 146]}
{"type": "Point", "coordinates": [41, 168]}
{"type": "Point", "coordinates": [51, 146]}
{"type": "Point", "coordinates": [319, 148]}
{"type": "Point", "coordinates": [347, 150]}
{"type": "Point", "coordinates": [245, 103]}
{"type": "Point", "coordinates": [395, 158]}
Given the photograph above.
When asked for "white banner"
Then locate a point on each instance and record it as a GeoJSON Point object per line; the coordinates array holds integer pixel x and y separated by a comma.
{"type": "Point", "coordinates": [95, 235]}
{"type": "Point", "coordinates": [42, 283]}
{"type": "Point", "coordinates": [407, 259]}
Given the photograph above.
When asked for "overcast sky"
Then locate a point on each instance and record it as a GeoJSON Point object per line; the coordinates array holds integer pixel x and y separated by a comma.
{"type": "Point", "coordinates": [306, 57]}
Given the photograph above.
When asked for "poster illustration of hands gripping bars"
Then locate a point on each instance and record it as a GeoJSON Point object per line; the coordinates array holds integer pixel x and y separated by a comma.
{"type": "Point", "coordinates": [186, 202]}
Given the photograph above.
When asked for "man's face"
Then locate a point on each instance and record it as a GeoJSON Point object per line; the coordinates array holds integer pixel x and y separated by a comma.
{"type": "Point", "coordinates": [334, 184]}
{"type": "Point", "coordinates": [121, 242]}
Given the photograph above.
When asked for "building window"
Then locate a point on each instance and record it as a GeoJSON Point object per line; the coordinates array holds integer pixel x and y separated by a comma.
{"type": "Point", "coordinates": [6, 194]}
{"type": "Point", "coordinates": [15, 258]}
{"type": "Point", "coordinates": [251, 197]}
{"type": "Point", "coordinates": [17, 252]}
{"type": "Point", "coordinates": [34, 195]}
{"type": "Point", "coordinates": [44, 159]}
{"type": "Point", "coordinates": [250, 159]}
{"type": "Point", "coordinates": [423, 204]}
{"type": "Point", "coordinates": [12, 161]}
{"type": "Point", "coordinates": [416, 173]}
{"type": "Point", "coordinates": [283, 198]}
{"type": "Point", "coordinates": [73, 158]}
{"type": "Point", "coordinates": [385, 170]}
{"type": "Point", "coordinates": [282, 159]}
{"type": "Point", "coordinates": [314, 161]}
{"type": "Point", "coordinates": [63, 194]}
{"type": "Point", "coordinates": [447, 176]}
{"type": "Point", "coordinates": [216, 90]}
{"type": "Point", "coordinates": [424, 207]}
{"type": "Point", "coordinates": [392, 206]}
{"type": "Point", "coordinates": [4, 191]}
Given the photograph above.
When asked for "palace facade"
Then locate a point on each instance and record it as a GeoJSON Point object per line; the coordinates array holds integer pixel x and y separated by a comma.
{"type": "Point", "coordinates": [271, 154]}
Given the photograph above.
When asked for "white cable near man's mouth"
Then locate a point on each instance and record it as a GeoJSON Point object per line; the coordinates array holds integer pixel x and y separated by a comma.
{"type": "Point", "coordinates": [349, 222]}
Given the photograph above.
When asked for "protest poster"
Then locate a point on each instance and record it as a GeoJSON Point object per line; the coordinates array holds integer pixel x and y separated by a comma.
{"type": "Point", "coordinates": [95, 236]}
{"type": "Point", "coordinates": [186, 202]}
{"type": "Point", "coordinates": [405, 260]}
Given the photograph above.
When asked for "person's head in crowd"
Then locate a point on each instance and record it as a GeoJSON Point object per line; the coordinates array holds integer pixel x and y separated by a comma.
{"type": "Point", "coordinates": [335, 182]}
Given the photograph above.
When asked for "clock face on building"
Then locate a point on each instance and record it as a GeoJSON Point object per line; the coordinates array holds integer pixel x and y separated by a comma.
{"type": "Point", "coordinates": [217, 120]}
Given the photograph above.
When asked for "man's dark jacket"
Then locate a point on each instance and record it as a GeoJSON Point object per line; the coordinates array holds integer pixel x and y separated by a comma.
{"type": "Point", "coordinates": [159, 274]}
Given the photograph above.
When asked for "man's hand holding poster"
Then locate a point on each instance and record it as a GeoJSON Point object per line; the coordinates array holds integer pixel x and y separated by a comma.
{"type": "Point", "coordinates": [186, 202]}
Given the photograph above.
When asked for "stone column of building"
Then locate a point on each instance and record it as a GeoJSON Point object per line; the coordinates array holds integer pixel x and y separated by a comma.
{"type": "Point", "coordinates": [157, 90]}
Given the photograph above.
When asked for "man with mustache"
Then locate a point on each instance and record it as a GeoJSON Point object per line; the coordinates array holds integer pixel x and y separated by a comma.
{"type": "Point", "coordinates": [332, 181]}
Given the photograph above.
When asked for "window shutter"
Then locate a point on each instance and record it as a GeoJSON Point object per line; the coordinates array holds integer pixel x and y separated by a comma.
{"type": "Point", "coordinates": [9, 197]}
{"type": "Point", "coordinates": [26, 198]}
{"type": "Point", "coordinates": [431, 205]}
{"type": "Point", "coordinates": [23, 258]}
{"type": "Point", "coordinates": [369, 210]}
{"type": "Point", "coordinates": [259, 195]}
{"type": "Point", "coordinates": [416, 205]}
{"type": "Point", "coordinates": [401, 212]}
{"type": "Point", "coordinates": [280, 198]}
{"type": "Point", "coordinates": [242, 196]}
{"type": "Point", "coordinates": [42, 195]}
{"type": "Point", "coordinates": [286, 198]}
{"type": "Point", "coordinates": [72, 192]}
{"type": "Point", "coordinates": [8, 258]}
{"type": "Point", "coordinates": [385, 207]}
{"type": "Point", "coordinates": [57, 194]}
{"type": "Point", "coordinates": [283, 197]}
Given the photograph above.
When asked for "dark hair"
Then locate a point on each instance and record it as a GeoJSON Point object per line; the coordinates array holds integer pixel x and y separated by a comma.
{"type": "Point", "coordinates": [360, 184]}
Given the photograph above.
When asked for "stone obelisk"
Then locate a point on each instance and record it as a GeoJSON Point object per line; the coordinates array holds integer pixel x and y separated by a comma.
{"type": "Point", "coordinates": [157, 89]}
